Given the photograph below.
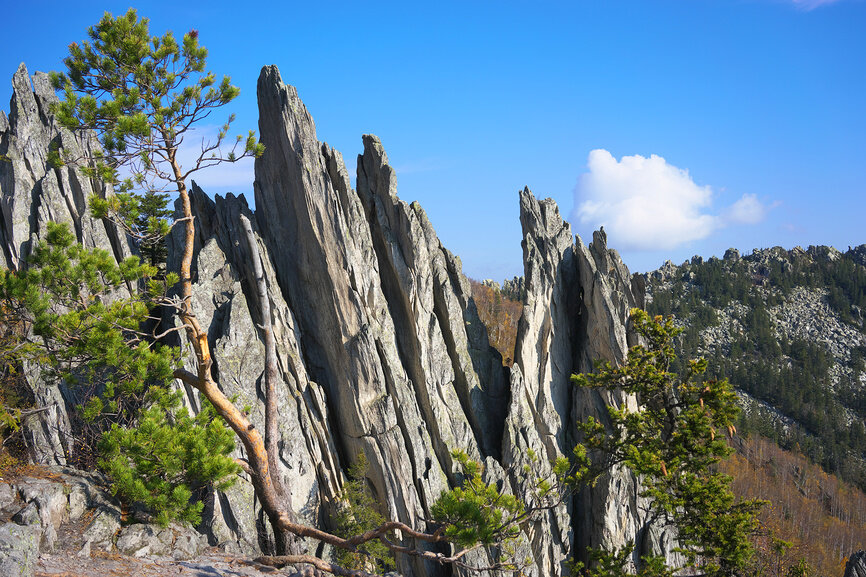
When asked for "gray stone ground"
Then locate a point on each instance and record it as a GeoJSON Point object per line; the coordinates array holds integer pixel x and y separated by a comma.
{"type": "Point", "coordinates": [101, 564]}
{"type": "Point", "coordinates": [58, 522]}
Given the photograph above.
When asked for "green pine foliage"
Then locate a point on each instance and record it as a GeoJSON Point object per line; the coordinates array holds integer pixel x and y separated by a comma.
{"type": "Point", "coordinates": [77, 303]}
{"type": "Point", "coordinates": [85, 325]}
{"type": "Point", "coordinates": [672, 442]}
{"type": "Point", "coordinates": [477, 512]}
{"type": "Point", "coordinates": [358, 514]}
{"type": "Point", "coordinates": [168, 455]}
{"type": "Point", "coordinates": [142, 95]}
{"type": "Point", "coordinates": [151, 222]}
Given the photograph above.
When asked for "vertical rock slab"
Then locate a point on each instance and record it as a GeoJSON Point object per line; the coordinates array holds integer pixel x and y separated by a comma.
{"type": "Point", "coordinates": [384, 315]}
{"type": "Point", "coordinates": [32, 192]}
{"type": "Point", "coordinates": [576, 312]}
{"type": "Point", "coordinates": [608, 514]}
{"type": "Point", "coordinates": [546, 339]}
{"type": "Point", "coordinates": [428, 295]}
{"type": "Point", "coordinates": [342, 314]}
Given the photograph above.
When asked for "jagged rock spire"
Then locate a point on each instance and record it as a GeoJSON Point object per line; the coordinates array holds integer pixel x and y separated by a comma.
{"type": "Point", "coordinates": [380, 347]}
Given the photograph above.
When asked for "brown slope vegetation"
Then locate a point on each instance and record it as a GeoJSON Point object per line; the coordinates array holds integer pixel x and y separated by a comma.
{"type": "Point", "coordinates": [500, 315]}
{"type": "Point", "coordinates": [823, 518]}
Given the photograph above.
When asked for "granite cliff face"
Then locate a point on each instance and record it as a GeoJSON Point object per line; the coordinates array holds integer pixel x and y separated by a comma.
{"type": "Point", "coordinates": [381, 350]}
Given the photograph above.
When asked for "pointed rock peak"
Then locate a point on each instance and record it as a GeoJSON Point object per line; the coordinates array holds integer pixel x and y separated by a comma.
{"type": "Point", "coordinates": [373, 147]}
{"type": "Point", "coordinates": [21, 80]}
{"type": "Point", "coordinates": [336, 167]}
{"type": "Point", "coordinates": [23, 102]}
{"type": "Point", "coordinates": [375, 176]}
{"type": "Point", "coordinates": [200, 198]}
{"type": "Point", "coordinates": [541, 218]}
{"type": "Point", "coordinates": [599, 240]}
{"type": "Point", "coordinates": [27, 94]}
{"type": "Point", "coordinates": [284, 121]}
{"type": "Point", "coordinates": [270, 74]}
{"type": "Point", "coordinates": [274, 92]}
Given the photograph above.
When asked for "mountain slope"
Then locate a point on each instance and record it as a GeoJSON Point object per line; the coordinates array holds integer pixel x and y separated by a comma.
{"type": "Point", "coordinates": [786, 327]}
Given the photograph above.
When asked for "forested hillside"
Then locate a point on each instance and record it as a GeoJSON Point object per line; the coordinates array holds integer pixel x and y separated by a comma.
{"type": "Point", "coordinates": [786, 328]}
{"type": "Point", "coordinates": [499, 311]}
{"type": "Point", "coordinates": [811, 515]}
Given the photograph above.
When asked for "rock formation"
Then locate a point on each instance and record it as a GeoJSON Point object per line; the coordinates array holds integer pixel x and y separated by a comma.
{"type": "Point", "coordinates": [69, 514]}
{"type": "Point", "coordinates": [515, 289]}
{"type": "Point", "coordinates": [381, 350]}
{"type": "Point", "coordinates": [856, 566]}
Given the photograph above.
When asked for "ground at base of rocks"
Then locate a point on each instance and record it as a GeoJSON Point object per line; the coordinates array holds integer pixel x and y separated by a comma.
{"type": "Point", "coordinates": [102, 564]}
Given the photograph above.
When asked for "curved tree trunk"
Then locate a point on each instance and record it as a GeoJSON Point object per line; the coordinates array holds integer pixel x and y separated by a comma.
{"type": "Point", "coordinates": [260, 455]}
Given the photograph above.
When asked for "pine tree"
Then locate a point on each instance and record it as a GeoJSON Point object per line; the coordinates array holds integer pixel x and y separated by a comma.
{"type": "Point", "coordinates": [672, 442]}
{"type": "Point", "coordinates": [86, 329]}
{"type": "Point", "coordinates": [142, 95]}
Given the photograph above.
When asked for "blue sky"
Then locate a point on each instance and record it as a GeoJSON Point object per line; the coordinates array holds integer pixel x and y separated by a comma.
{"type": "Point", "coordinates": [684, 127]}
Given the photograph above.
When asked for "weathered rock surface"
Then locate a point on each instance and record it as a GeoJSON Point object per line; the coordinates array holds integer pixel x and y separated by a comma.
{"type": "Point", "coordinates": [69, 513]}
{"type": "Point", "coordinates": [578, 299]}
{"type": "Point", "coordinates": [143, 540]}
{"type": "Point", "coordinates": [380, 347]}
{"type": "Point", "coordinates": [19, 549]}
{"type": "Point", "coordinates": [34, 509]}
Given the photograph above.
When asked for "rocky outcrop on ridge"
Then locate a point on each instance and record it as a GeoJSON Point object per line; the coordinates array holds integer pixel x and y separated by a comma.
{"type": "Point", "coordinates": [798, 307]}
{"type": "Point", "coordinates": [380, 347]}
{"type": "Point", "coordinates": [514, 289]}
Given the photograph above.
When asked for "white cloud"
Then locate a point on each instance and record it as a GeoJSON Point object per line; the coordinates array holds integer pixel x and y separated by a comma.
{"type": "Point", "coordinates": [647, 204]}
{"type": "Point", "coordinates": [644, 203]}
{"type": "Point", "coordinates": [747, 210]}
